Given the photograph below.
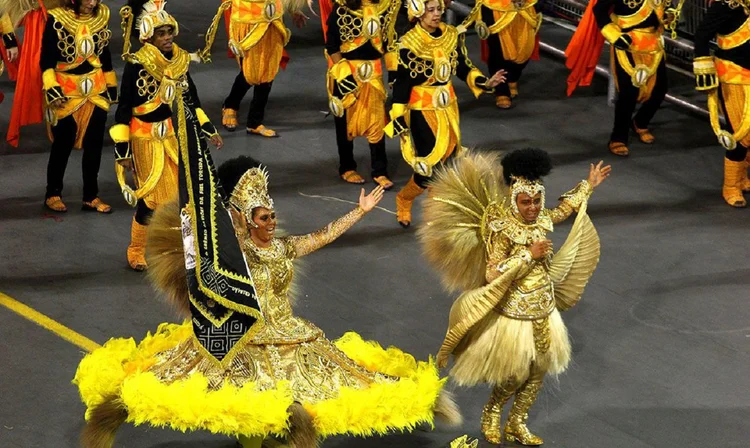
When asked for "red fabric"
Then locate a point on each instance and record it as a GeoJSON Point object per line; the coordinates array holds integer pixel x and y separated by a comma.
{"type": "Point", "coordinates": [11, 67]}
{"type": "Point", "coordinates": [227, 18]}
{"type": "Point", "coordinates": [484, 51]}
{"type": "Point", "coordinates": [28, 102]}
{"type": "Point", "coordinates": [326, 7]}
{"type": "Point", "coordinates": [584, 50]}
{"type": "Point", "coordinates": [285, 58]}
{"type": "Point", "coordinates": [535, 53]}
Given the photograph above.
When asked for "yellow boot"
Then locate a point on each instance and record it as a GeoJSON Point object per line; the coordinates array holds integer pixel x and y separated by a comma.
{"type": "Point", "coordinates": [513, 86]}
{"type": "Point", "coordinates": [493, 412]}
{"type": "Point", "coordinates": [137, 247]}
{"type": "Point", "coordinates": [733, 175]}
{"type": "Point", "coordinates": [515, 429]}
{"type": "Point", "coordinates": [404, 200]}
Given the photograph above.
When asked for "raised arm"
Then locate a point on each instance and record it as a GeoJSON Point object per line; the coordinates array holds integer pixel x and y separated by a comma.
{"type": "Point", "coordinates": [571, 202]}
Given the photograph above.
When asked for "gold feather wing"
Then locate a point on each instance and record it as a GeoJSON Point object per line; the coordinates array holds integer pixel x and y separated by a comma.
{"type": "Point", "coordinates": [575, 262]}
{"type": "Point", "coordinates": [452, 236]}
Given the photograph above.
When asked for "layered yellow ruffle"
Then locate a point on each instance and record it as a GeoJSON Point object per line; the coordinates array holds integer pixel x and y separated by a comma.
{"type": "Point", "coordinates": [118, 369]}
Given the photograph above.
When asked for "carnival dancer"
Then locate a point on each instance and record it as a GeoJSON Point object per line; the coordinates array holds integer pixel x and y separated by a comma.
{"type": "Point", "coordinates": [634, 28]}
{"type": "Point", "coordinates": [489, 242]}
{"type": "Point", "coordinates": [359, 34]}
{"type": "Point", "coordinates": [425, 110]}
{"type": "Point", "coordinates": [79, 86]}
{"type": "Point", "coordinates": [508, 30]}
{"type": "Point", "coordinates": [243, 364]}
{"type": "Point", "coordinates": [145, 141]}
{"type": "Point", "coordinates": [257, 37]}
{"type": "Point", "coordinates": [726, 78]}
{"type": "Point", "coordinates": [8, 49]}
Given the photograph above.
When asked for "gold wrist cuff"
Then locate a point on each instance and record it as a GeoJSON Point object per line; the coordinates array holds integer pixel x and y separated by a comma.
{"type": "Point", "coordinates": [704, 65]}
{"type": "Point", "coordinates": [120, 133]}
{"type": "Point", "coordinates": [611, 32]}
{"type": "Point", "coordinates": [397, 110]}
{"type": "Point", "coordinates": [471, 81]}
{"type": "Point", "coordinates": [49, 79]}
{"type": "Point", "coordinates": [111, 78]}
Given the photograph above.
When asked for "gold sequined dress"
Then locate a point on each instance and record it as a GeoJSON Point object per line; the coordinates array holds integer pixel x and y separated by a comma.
{"type": "Point", "coordinates": [348, 386]}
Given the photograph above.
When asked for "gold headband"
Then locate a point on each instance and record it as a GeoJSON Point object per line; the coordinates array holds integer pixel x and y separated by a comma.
{"type": "Point", "coordinates": [251, 192]}
{"type": "Point", "coordinates": [154, 16]}
{"type": "Point", "coordinates": [417, 8]}
{"type": "Point", "coordinates": [522, 185]}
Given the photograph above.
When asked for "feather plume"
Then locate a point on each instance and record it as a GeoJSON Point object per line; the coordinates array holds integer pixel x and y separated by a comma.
{"type": "Point", "coordinates": [166, 257]}
{"type": "Point", "coordinates": [452, 237]}
{"type": "Point", "coordinates": [102, 424]}
{"type": "Point", "coordinates": [302, 433]}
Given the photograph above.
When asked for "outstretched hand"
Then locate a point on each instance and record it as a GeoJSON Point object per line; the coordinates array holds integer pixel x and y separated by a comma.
{"type": "Point", "coordinates": [217, 141]}
{"type": "Point", "coordinates": [369, 202]}
{"type": "Point", "coordinates": [497, 78]}
{"type": "Point", "coordinates": [598, 173]}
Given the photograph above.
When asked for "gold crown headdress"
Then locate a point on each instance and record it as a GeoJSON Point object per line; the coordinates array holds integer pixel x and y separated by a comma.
{"type": "Point", "coordinates": [522, 185]}
{"type": "Point", "coordinates": [251, 192]}
{"type": "Point", "coordinates": [152, 17]}
{"type": "Point", "coordinates": [417, 8]}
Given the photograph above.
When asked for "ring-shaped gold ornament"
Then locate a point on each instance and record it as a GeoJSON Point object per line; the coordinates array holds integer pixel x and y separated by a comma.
{"type": "Point", "coordinates": [336, 106]}
{"type": "Point", "coordinates": [640, 76]}
{"type": "Point", "coordinates": [727, 140]}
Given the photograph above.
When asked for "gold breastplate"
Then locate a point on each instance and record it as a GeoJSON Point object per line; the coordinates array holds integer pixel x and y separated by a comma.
{"type": "Point", "coordinates": [160, 78]}
{"type": "Point", "coordinates": [434, 57]}
{"type": "Point", "coordinates": [357, 27]}
{"type": "Point", "coordinates": [532, 296]}
{"type": "Point", "coordinates": [80, 39]}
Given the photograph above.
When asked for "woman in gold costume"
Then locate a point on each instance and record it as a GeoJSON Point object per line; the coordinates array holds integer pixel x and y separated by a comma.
{"type": "Point", "coordinates": [725, 76]}
{"type": "Point", "coordinates": [425, 110]}
{"type": "Point", "coordinates": [245, 365]}
{"type": "Point", "coordinates": [144, 135]}
{"type": "Point", "coordinates": [489, 242]}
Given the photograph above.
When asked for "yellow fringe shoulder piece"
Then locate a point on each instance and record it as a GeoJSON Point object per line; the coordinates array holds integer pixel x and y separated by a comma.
{"type": "Point", "coordinates": [452, 238]}
{"type": "Point", "coordinates": [165, 255]}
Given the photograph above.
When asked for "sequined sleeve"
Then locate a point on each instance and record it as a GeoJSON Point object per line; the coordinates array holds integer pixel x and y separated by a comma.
{"type": "Point", "coordinates": [570, 202]}
{"type": "Point", "coordinates": [305, 244]}
{"type": "Point", "coordinates": [498, 260]}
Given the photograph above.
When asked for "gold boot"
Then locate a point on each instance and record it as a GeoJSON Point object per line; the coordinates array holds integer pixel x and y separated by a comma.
{"type": "Point", "coordinates": [731, 190]}
{"type": "Point", "coordinates": [137, 247]}
{"type": "Point", "coordinates": [513, 86]}
{"type": "Point", "coordinates": [515, 429]}
{"type": "Point", "coordinates": [404, 200]}
{"type": "Point", "coordinates": [493, 413]}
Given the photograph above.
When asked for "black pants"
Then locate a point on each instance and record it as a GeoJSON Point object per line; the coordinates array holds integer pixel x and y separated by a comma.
{"type": "Point", "coordinates": [64, 135]}
{"type": "Point", "coordinates": [142, 213]}
{"type": "Point", "coordinates": [496, 61]}
{"type": "Point", "coordinates": [739, 153]}
{"type": "Point", "coordinates": [257, 105]}
{"type": "Point", "coordinates": [378, 158]}
{"type": "Point", "coordinates": [424, 141]}
{"type": "Point", "coordinates": [627, 100]}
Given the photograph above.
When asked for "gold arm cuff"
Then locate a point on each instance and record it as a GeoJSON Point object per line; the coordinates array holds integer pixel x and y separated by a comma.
{"type": "Point", "coordinates": [704, 65]}
{"type": "Point", "coordinates": [6, 25]}
{"type": "Point", "coordinates": [611, 32]}
{"type": "Point", "coordinates": [120, 133]}
{"type": "Point", "coordinates": [111, 78]}
{"type": "Point", "coordinates": [391, 61]}
{"type": "Point", "coordinates": [49, 79]}
{"type": "Point", "coordinates": [471, 81]}
{"type": "Point", "coordinates": [202, 117]}
{"type": "Point", "coordinates": [340, 70]}
{"type": "Point", "coordinates": [397, 110]}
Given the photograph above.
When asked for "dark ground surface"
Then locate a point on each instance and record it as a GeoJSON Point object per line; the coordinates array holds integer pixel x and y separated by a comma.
{"type": "Point", "coordinates": [660, 339]}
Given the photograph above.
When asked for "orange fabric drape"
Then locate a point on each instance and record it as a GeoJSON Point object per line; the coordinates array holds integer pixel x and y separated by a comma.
{"type": "Point", "coordinates": [28, 103]}
{"type": "Point", "coordinates": [584, 50]}
{"type": "Point", "coordinates": [485, 50]}
{"type": "Point", "coordinates": [326, 7]}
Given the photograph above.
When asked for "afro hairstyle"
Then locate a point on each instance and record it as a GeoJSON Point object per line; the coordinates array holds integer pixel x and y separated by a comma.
{"type": "Point", "coordinates": [529, 163]}
{"type": "Point", "coordinates": [232, 170]}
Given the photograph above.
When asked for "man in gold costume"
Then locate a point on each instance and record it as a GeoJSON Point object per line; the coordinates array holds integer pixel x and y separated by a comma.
{"type": "Point", "coordinates": [726, 78]}
{"type": "Point", "coordinates": [509, 30]}
{"type": "Point", "coordinates": [144, 134]}
{"type": "Point", "coordinates": [635, 31]}
{"type": "Point", "coordinates": [425, 109]}
{"type": "Point", "coordinates": [257, 37]}
{"type": "Point", "coordinates": [489, 241]}
{"type": "Point", "coordinates": [79, 85]}
{"type": "Point", "coordinates": [358, 35]}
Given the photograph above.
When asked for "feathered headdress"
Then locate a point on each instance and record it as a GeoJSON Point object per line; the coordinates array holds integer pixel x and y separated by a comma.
{"type": "Point", "coordinates": [523, 170]}
{"type": "Point", "coordinates": [150, 15]}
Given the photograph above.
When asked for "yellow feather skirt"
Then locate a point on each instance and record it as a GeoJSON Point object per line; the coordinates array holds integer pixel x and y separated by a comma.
{"type": "Point", "coordinates": [499, 348]}
{"type": "Point", "coordinates": [162, 383]}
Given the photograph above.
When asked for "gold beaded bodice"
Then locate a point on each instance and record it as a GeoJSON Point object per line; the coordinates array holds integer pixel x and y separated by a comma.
{"type": "Point", "coordinates": [433, 57]}
{"type": "Point", "coordinates": [374, 23]}
{"type": "Point", "coordinates": [160, 77]}
{"type": "Point", "coordinates": [81, 38]}
{"type": "Point", "coordinates": [272, 272]}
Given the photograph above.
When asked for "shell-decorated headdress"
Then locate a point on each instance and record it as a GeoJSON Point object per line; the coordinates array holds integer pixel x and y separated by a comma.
{"type": "Point", "coordinates": [152, 16]}
{"type": "Point", "coordinates": [417, 8]}
{"type": "Point", "coordinates": [251, 192]}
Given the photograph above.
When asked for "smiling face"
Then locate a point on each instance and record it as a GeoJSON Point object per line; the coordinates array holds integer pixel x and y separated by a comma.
{"type": "Point", "coordinates": [163, 38]}
{"type": "Point", "coordinates": [528, 206]}
{"type": "Point", "coordinates": [430, 20]}
{"type": "Point", "coordinates": [264, 227]}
